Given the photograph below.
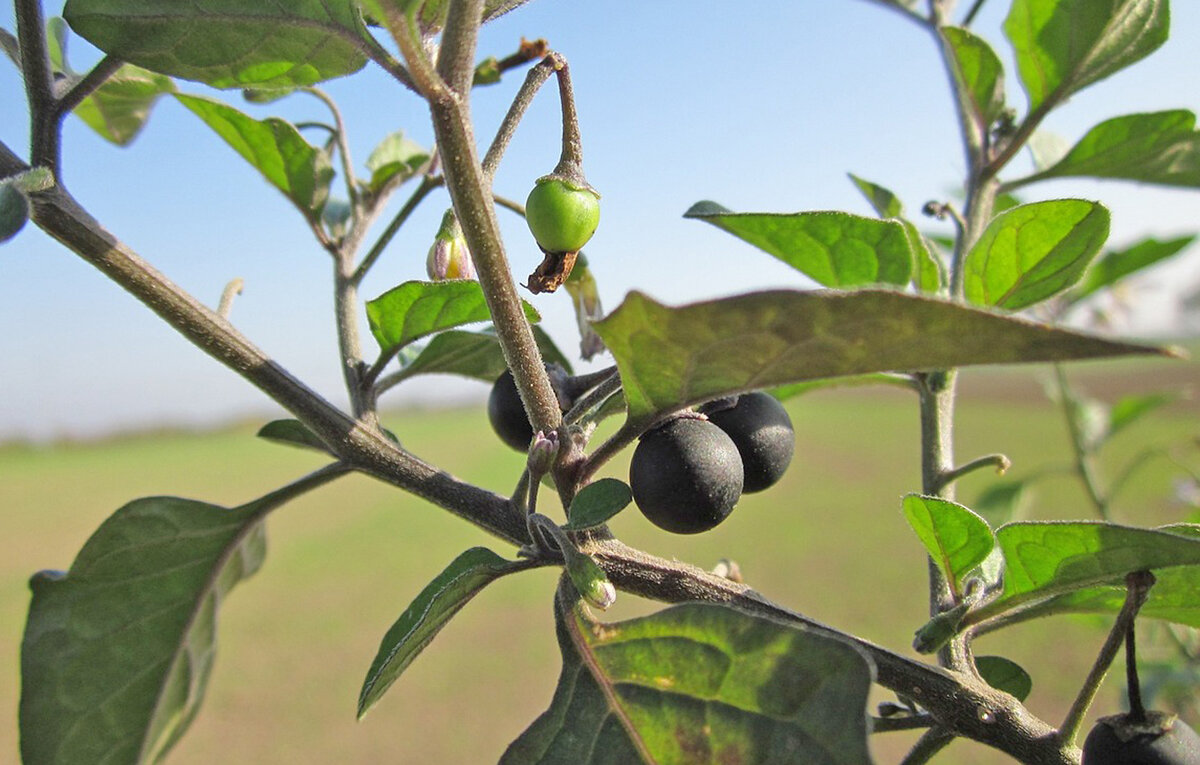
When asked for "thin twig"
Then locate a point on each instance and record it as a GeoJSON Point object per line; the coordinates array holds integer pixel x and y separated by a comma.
{"type": "Point", "coordinates": [343, 144]}
{"type": "Point", "coordinates": [232, 290]}
{"type": "Point", "coordinates": [88, 84]}
{"type": "Point", "coordinates": [1000, 462]}
{"type": "Point", "coordinates": [1138, 586]}
{"type": "Point", "coordinates": [428, 183]}
{"type": "Point", "coordinates": [534, 80]}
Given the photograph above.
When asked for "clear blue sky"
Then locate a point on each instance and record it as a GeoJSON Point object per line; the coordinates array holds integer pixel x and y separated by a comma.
{"type": "Point", "coordinates": [759, 106]}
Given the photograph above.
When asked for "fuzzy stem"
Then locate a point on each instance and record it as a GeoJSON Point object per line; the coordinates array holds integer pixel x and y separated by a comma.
{"type": "Point", "coordinates": [45, 121]}
{"type": "Point", "coordinates": [1137, 710]}
{"type": "Point", "coordinates": [1138, 586]}
{"type": "Point", "coordinates": [88, 84]}
{"type": "Point", "coordinates": [534, 80]}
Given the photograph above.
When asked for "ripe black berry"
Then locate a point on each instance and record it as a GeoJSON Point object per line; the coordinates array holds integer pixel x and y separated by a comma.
{"type": "Point", "coordinates": [1161, 740]}
{"type": "Point", "coordinates": [762, 431]}
{"type": "Point", "coordinates": [686, 475]}
{"type": "Point", "coordinates": [507, 413]}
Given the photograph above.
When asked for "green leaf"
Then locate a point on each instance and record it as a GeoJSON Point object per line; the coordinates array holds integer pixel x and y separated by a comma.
{"type": "Point", "coordinates": [1130, 409]}
{"type": "Point", "coordinates": [429, 16]}
{"type": "Point", "coordinates": [14, 210]}
{"type": "Point", "coordinates": [1047, 559]}
{"type": "Point", "coordinates": [834, 249]}
{"type": "Point", "coordinates": [884, 202]}
{"type": "Point", "coordinates": [1160, 147]}
{"type": "Point", "coordinates": [1175, 598]}
{"type": "Point", "coordinates": [120, 108]}
{"type": "Point", "coordinates": [791, 390]}
{"type": "Point", "coordinates": [432, 609]}
{"type": "Point", "coordinates": [700, 683]}
{"type": "Point", "coordinates": [1062, 46]}
{"type": "Point", "coordinates": [275, 148]}
{"type": "Point", "coordinates": [596, 503]}
{"type": "Point", "coordinates": [227, 43]}
{"type": "Point", "coordinates": [957, 539]}
{"type": "Point", "coordinates": [670, 358]}
{"type": "Point", "coordinates": [1001, 502]}
{"type": "Point", "coordinates": [1033, 252]}
{"type": "Point", "coordinates": [395, 159]}
{"type": "Point", "coordinates": [473, 354]}
{"type": "Point", "coordinates": [978, 72]}
{"type": "Point", "coordinates": [416, 309]}
{"type": "Point", "coordinates": [292, 433]}
{"type": "Point", "coordinates": [1116, 265]}
{"type": "Point", "coordinates": [117, 652]}
{"type": "Point", "coordinates": [1005, 675]}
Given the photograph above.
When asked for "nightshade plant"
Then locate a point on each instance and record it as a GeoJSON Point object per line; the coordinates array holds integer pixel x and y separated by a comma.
{"type": "Point", "coordinates": [117, 649]}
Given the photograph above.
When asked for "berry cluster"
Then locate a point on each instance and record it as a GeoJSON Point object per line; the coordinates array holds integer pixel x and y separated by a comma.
{"type": "Point", "coordinates": [688, 473]}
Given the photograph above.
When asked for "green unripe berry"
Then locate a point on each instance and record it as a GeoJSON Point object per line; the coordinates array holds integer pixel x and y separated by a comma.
{"type": "Point", "coordinates": [14, 210]}
{"type": "Point", "coordinates": [562, 216]}
{"type": "Point", "coordinates": [686, 475]}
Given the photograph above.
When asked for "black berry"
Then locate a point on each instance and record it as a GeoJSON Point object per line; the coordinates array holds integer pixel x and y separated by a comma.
{"type": "Point", "coordinates": [1161, 740]}
{"type": "Point", "coordinates": [686, 475]}
{"type": "Point", "coordinates": [762, 431]}
{"type": "Point", "coordinates": [507, 413]}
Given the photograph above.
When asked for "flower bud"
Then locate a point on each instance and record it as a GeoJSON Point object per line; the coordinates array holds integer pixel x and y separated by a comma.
{"type": "Point", "coordinates": [542, 452]}
{"type": "Point", "coordinates": [449, 257]}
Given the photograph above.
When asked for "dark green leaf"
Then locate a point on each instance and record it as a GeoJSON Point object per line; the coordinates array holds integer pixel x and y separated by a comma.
{"type": "Point", "coordinates": [117, 652]}
{"type": "Point", "coordinates": [1005, 675]}
{"type": "Point", "coordinates": [429, 16]}
{"type": "Point", "coordinates": [292, 433]}
{"type": "Point", "coordinates": [432, 609]}
{"type": "Point", "coordinates": [275, 148]}
{"type": "Point", "coordinates": [596, 503]}
{"type": "Point", "coordinates": [834, 249]}
{"type": "Point", "coordinates": [957, 539]}
{"type": "Point", "coordinates": [791, 390]}
{"type": "Point", "coordinates": [670, 358]}
{"type": "Point", "coordinates": [227, 43]}
{"type": "Point", "coordinates": [1033, 252]}
{"type": "Point", "coordinates": [1062, 46]}
{"type": "Point", "coordinates": [1001, 502]}
{"type": "Point", "coordinates": [416, 309]}
{"type": "Point", "coordinates": [1114, 266]}
{"type": "Point", "coordinates": [395, 159]}
{"type": "Point", "coordinates": [1162, 147]}
{"type": "Point", "coordinates": [14, 210]}
{"type": "Point", "coordinates": [884, 202]}
{"type": "Point", "coordinates": [700, 683]}
{"type": "Point", "coordinates": [978, 72]}
{"type": "Point", "coordinates": [1048, 559]}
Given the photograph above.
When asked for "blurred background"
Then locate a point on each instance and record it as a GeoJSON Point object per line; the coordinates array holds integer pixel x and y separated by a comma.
{"type": "Point", "coordinates": [765, 109]}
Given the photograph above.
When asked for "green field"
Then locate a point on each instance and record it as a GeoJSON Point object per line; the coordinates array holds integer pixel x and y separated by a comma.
{"type": "Point", "coordinates": [297, 639]}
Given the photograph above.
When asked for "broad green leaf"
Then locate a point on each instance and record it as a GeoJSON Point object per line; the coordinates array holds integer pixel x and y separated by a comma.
{"type": "Point", "coordinates": [227, 43]}
{"type": "Point", "coordinates": [429, 16]}
{"type": "Point", "coordinates": [1114, 266]}
{"type": "Point", "coordinates": [397, 159]}
{"type": "Point", "coordinates": [1005, 675]}
{"type": "Point", "coordinates": [120, 107]}
{"type": "Point", "coordinates": [978, 72]}
{"type": "Point", "coordinates": [596, 503]}
{"type": "Point", "coordinates": [275, 148]}
{"type": "Point", "coordinates": [473, 354]}
{"type": "Point", "coordinates": [927, 270]}
{"type": "Point", "coordinates": [700, 683]}
{"type": "Point", "coordinates": [292, 433]}
{"type": "Point", "coordinates": [416, 309]}
{"type": "Point", "coordinates": [1130, 409]}
{"type": "Point", "coordinates": [431, 610]}
{"type": "Point", "coordinates": [834, 249]}
{"type": "Point", "coordinates": [1062, 46]}
{"type": "Point", "coordinates": [670, 358]}
{"type": "Point", "coordinates": [1047, 559]}
{"type": "Point", "coordinates": [1174, 598]}
{"type": "Point", "coordinates": [884, 202]}
{"type": "Point", "coordinates": [117, 651]}
{"type": "Point", "coordinates": [14, 210]}
{"type": "Point", "coordinates": [791, 390]}
{"type": "Point", "coordinates": [1161, 147]}
{"type": "Point", "coordinates": [957, 539]}
{"type": "Point", "coordinates": [1033, 252]}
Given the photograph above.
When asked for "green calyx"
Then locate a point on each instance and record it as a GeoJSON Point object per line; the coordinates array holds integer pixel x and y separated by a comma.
{"type": "Point", "coordinates": [562, 216]}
